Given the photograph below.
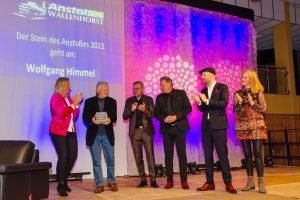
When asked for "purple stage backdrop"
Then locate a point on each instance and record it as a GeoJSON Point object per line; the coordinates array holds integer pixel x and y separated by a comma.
{"type": "Point", "coordinates": [175, 40]}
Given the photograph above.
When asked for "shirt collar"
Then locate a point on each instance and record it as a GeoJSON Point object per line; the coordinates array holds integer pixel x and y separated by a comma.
{"type": "Point", "coordinates": [170, 93]}
{"type": "Point", "coordinates": [136, 99]}
{"type": "Point", "coordinates": [100, 99]}
{"type": "Point", "coordinates": [212, 86]}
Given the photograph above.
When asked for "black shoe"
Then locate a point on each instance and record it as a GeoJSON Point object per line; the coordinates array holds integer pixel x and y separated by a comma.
{"type": "Point", "coordinates": [154, 184]}
{"type": "Point", "coordinates": [67, 188]}
{"type": "Point", "coordinates": [143, 183]}
{"type": "Point", "coordinates": [61, 190]}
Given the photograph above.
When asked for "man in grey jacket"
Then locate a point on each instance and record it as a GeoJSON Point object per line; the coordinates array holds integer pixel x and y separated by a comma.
{"type": "Point", "coordinates": [140, 109]}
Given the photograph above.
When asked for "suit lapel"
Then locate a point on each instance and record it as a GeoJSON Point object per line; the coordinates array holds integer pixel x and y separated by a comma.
{"type": "Point", "coordinates": [143, 99]}
{"type": "Point", "coordinates": [214, 91]}
{"type": "Point", "coordinates": [134, 113]}
{"type": "Point", "coordinates": [173, 102]}
{"type": "Point", "coordinates": [164, 101]}
{"type": "Point", "coordinates": [65, 102]}
{"type": "Point", "coordinates": [96, 104]}
{"type": "Point", "coordinates": [106, 104]}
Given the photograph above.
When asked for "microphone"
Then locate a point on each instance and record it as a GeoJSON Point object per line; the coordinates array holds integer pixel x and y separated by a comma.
{"type": "Point", "coordinates": [244, 96]}
{"type": "Point", "coordinates": [245, 91]}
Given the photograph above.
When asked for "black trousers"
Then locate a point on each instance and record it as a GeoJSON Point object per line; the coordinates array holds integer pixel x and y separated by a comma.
{"type": "Point", "coordinates": [139, 139]}
{"type": "Point", "coordinates": [67, 150]}
{"type": "Point", "coordinates": [216, 138]}
{"type": "Point", "coordinates": [257, 151]}
{"type": "Point", "coordinates": [173, 135]}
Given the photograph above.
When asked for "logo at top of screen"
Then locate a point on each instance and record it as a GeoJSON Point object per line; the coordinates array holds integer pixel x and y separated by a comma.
{"type": "Point", "coordinates": [43, 10]}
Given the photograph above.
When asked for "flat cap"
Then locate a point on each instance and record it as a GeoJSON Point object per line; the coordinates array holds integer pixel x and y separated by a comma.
{"type": "Point", "coordinates": [208, 69]}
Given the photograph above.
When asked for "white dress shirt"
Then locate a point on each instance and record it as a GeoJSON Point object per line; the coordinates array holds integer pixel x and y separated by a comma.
{"type": "Point", "coordinates": [209, 92]}
{"type": "Point", "coordinates": [71, 125]}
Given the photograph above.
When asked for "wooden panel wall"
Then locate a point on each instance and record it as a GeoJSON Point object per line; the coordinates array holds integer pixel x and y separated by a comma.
{"type": "Point", "coordinates": [280, 122]}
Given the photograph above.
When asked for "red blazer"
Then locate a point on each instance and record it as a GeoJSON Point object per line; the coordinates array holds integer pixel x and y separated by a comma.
{"type": "Point", "coordinates": [61, 114]}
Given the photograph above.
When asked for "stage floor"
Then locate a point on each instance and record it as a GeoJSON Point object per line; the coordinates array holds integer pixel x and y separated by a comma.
{"type": "Point", "coordinates": [282, 183]}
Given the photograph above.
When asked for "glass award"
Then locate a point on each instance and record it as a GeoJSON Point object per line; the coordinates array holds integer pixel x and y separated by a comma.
{"type": "Point", "coordinates": [101, 117]}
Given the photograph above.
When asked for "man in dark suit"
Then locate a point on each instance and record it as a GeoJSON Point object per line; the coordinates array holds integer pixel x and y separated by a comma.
{"type": "Point", "coordinates": [212, 101]}
{"type": "Point", "coordinates": [140, 110]}
{"type": "Point", "coordinates": [100, 135]}
{"type": "Point", "coordinates": [171, 109]}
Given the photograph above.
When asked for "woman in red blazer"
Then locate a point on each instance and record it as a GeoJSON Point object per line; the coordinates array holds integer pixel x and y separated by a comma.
{"type": "Point", "coordinates": [64, 111]}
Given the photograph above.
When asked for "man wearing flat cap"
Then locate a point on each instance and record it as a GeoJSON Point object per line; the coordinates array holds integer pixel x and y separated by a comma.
{"type": "Point", "coordinates": [212, 101]}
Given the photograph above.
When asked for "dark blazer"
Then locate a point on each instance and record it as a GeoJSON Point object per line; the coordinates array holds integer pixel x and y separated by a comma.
{"type": "Point", "coordinates": [216, 108]}
{"type": "Point", "coordinates": [181, 107]}
{"type": "Point", "coordinates": [89, 111]}
{"type": "Point", "coordinates": [146, 116]}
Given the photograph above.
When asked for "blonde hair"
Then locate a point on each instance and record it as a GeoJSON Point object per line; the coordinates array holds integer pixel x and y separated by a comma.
{"type": "Point", "coordinates": [60, 83]}
{"type": "Point", "coordinates": [255, 85]}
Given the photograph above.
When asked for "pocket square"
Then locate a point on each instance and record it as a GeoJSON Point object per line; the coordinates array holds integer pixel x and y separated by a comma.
{"type": "Point", "coordinates": [216, 91]}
